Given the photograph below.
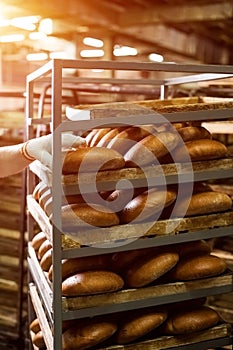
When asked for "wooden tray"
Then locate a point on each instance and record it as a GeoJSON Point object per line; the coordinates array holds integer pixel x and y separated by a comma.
{"type": "Point", "coordinates": [163, 293]}
{"type": "Point", "coordinates": [168, 342]}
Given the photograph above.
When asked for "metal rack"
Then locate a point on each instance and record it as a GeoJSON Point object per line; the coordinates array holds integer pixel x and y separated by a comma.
{"type": "Point", "coordinates": [47, 301]}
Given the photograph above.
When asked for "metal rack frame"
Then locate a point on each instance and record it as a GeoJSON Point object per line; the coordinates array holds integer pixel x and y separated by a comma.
{"type": "Point", "coordinates": [54, 69]}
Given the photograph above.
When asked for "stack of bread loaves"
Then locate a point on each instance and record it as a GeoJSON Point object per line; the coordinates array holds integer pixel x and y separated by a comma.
{"type": "Point", "coordinates": [133, 326]}
{"type": "Point", "coordinates": [139, 268]}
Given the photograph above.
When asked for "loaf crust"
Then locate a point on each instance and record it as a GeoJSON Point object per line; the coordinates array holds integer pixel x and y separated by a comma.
{"type": "Point", "coordinates": [95, 215]}
{"type": "Point", "coordinates": [201, 149]}
{"type": "Point", "coordinates": [37, 240]}
{"type": "Point", "coordinates": [204, 203]}
{"type": "Point", "coordinates": [92, 282]}
{"type": "Point", "coordinates": [190, 133]}
{"type": "Point", "coordinates": [91, 159]}
{"type": "Point", "coordinates": [197, 267]}
{"type": "Point", "coordinates": [87, 263]}
{"type": "Point", "coordinates": [146, 205]}
{"type": "Point", "coordinates": [149, 268]}
{"type": "Point", "coordinates": [127, 138]}
{"type": "Point", "coordinates": [151, 149]}
{"type": "Point", "coordinates": [138, 324]}
{"type": "Point", "coordinates": [87, 334]}
{"type": "Point", "coordinates": [191, 320]}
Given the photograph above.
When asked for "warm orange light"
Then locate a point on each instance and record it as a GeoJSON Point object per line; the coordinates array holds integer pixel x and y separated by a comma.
{"type": "Point", "coordinates": [46, 26]}
{"type": "Point", "coordinates": [27, 22]}
{"type": "Point", "coordinates": [41, 56]}
{"type": "Point", "coordinates": [11, 38]}
{"type": "Point", "coordinates": [92, 53]}
{"type": "Point", "coordinates": [60, 54]}
{"type": "Point", "coordinates": [93, 42]}
{"type": "Point", "coordinates": [124, 51]}
{"type": "Point", "coordinates": [155, 57]}
{"type": "Point", "coordinates": [37, 35]}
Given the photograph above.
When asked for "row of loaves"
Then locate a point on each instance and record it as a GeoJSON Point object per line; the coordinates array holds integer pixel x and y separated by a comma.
{"type": "Point", "coordinates": [182, 318]}
{"type": "Point", "coordinates": [141, 146]}
{"type": "Point", "coordinates": [118, 207]}
{"type": "Point", "coordinates": [106, 273]}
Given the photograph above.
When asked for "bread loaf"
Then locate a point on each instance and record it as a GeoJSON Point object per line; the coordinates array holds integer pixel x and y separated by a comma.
{"type": "Point", "coordinates": [202, 149]}
{"type": "Point", "coordinates": [87, 263]}
{"type": "Point", "coordinates": [95, 215]}
{"type": "Point", "coordinates": [197, 267]}
{"type": "Point", "coordinates": [127, 138]}
{"type": "Point", "coordinates": [138, 324]}
{"type": "Point", "coordinates": [149, 204]}
{"type": "Point", "coordinates": [194, 248]}
{"type": "Point", "coordinates": [203, 203]}
{"type": "Point", "coordinates": [91, 282]}
{"type": "Point", "coordinates": [149, 268]}
{"type": "Point", "coordinates": [38, 340]}
{"type": "Point", "coordinates": [46, 260]}
{"type": "Point", "coordinates": [91, 159]}
{"type": "Point", "coordinates": [85, 335]}
{"type": "Point", "coordinates": [35, 326]}
{"type": "Point", "coordinates": [90, 135]}
{"type": "Point", "coordinates": [191, 320]}
{"type": "Point", "coordinates": [37, 240]}
{"type": "Point", "coordinates": [120, 261]}
{"type": "Point", "coordinates": [109, 136]}
{"type": "Point", "coordinates": [45, 246]}
{"type": "Point", "coordinates": [98, 136]}
{"type": "Point", "coordinates": [151, 148]}
{"type": "Point", "coordinates": [190, 133]}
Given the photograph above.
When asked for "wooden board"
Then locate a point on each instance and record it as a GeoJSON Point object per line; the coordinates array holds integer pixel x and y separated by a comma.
{"type": "Point", "coordinates": [108, 179]}
{"type": "Point", "coordinates": [76, 237]}
{"type": "Point", "coordinates": [157, 291]}
{"type": "Point", "coordinates": [167, 342]}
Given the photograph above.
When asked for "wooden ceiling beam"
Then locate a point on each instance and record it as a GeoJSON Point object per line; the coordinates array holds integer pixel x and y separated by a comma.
{"type": "Point", "coordinates": [177, 14]}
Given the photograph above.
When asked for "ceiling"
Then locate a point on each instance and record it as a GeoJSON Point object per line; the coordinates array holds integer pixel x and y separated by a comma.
{"type": "Point", "coordinates": [181, 30]}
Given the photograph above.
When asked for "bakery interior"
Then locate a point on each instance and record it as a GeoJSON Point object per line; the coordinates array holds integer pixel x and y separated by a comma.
{"type": "Point", "coordinates": [157, 286]}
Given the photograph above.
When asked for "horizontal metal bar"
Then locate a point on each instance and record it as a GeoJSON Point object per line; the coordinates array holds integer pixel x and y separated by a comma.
{"type": "Point", "coordinates": [143, 303]}
{"type": "Point", "coordinates": [150, 242]}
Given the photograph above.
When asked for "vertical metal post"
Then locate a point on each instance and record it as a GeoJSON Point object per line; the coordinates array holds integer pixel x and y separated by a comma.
{"type": "Point", "coordinates": [56, 193]}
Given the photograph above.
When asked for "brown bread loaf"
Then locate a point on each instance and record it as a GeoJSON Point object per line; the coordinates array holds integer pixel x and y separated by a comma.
{"type": "Point", "coordinates": [202, 149]}
{"type": "Point", "coordinates": [87, 263]}
{"type": "Point", "coordinates": [91, 282]}
{"type": "Point", "coordinates": [127, 138]}
{"type": "Point", "coordinates": [83, 214]}
{"type": "Point", "coordinates": [35, 326]}
{"type": "Point", "coordinates": [138, 324]}
{"type": "Point", "coordinates": [151, 148]}
{"type": "Point", "coordinates": [46, 260]}
{"type": "Point", "coordinates": [92, 159]}
{"type": "Point", "coordinates": [190, 133]}
{"type": "Point", "coordinates": [45, 197]}
{"type": "Point", "coordinates": [98, 136]}
{"type": "Point", "coordinates": [120, 261]}
{"type": "Point", "coordinates": [197, 267]}
{"type": "Point", "coordinates": [38, 340]}
{"type": "Point", "coordinates": [45, 246]}
{"type": "Point", "coordinates": [194, 248]}
{"type": "Point", "coordinates": [109, 136]}
{"type": "Point", "coordinates": [90, 135]}
{"type": "Point", "coordinates": [191, 320]}
{"type": "Point", "coordinates": [204, 203]}
{"type": "Point", "coordinates": [38, 239]}
{"type": "Point", "coordinates": [86, 335]}
{"type": "Point", "coordinates": [148, 268]}
{"type": "Point", "coordinates": [147, 204]}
